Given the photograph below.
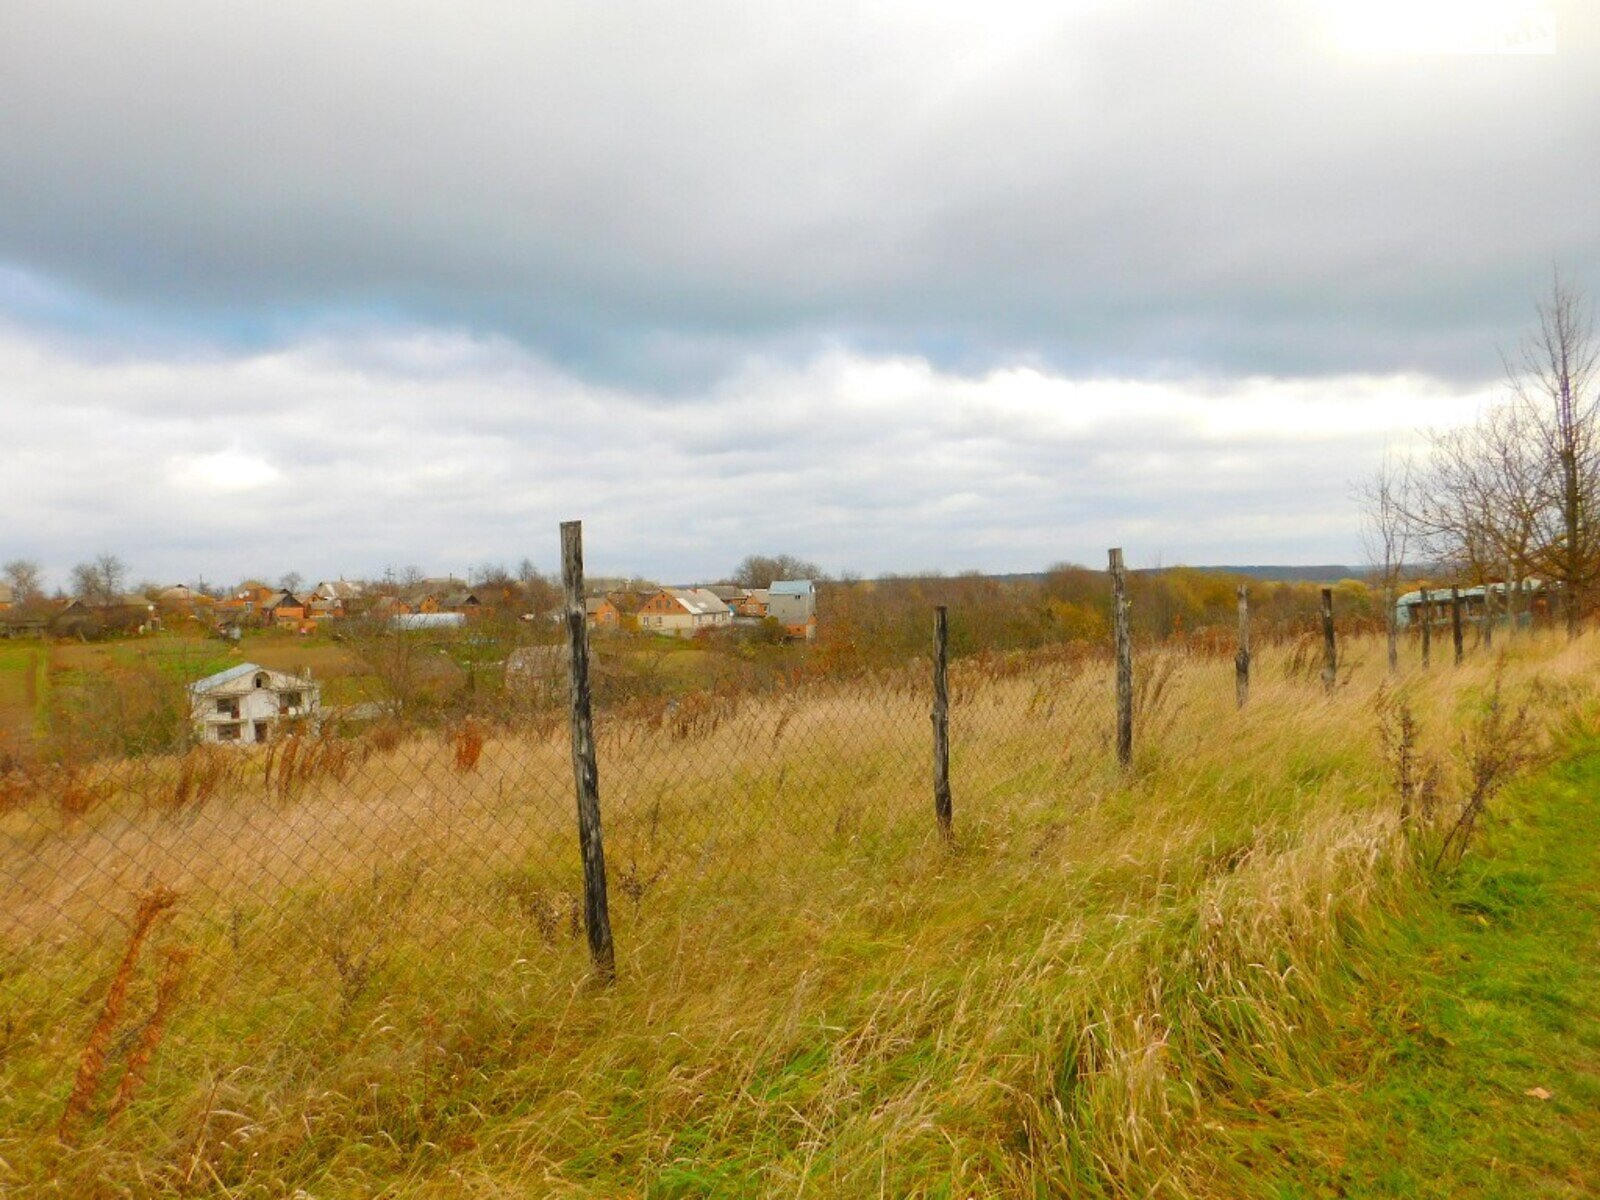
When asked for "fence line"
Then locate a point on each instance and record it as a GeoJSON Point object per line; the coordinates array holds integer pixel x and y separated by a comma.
{"type": "Point", "coordinates": [703, 790]}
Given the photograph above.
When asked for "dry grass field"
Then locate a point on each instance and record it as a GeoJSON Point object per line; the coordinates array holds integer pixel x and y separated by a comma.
{"type": "Point", "coordinates": [364, 973]}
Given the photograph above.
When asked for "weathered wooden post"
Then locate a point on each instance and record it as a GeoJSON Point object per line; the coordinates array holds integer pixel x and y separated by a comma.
{"type": "Point", "coordinates": [1487, 624]}
{"type": "Point", "coordinates": [1511, 604]}
{"type": "Point", "coordinates": [1124, 641]}
{"type": "Point", "coordinates": [1455, 623]}
{"type": "Point", "coordinates": [1427, 625]}
{"type": "Point", "coordinates": [1391, 627]}
{"type": "Point", "coordinates": [941, 722]}
{"type": "Point", "coordinates": [1330, 652]}
{"type": "Point", "coordinates": [1241, 660]}
{"type": "Point", "coordinates": [585, 771]}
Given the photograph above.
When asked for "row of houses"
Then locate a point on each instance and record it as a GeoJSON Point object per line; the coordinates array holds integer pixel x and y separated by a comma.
{"type": "Point", "coordinates": [688, 612]}
{"type": "Point", "coordinates": [132, 614]}
{"type": "Point", "coordinates": [682, 612]}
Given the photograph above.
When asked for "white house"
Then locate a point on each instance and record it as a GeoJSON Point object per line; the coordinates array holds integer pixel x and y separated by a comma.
{"type": "Point", "coordinates": [245, 703]}
{"type": "Point", "coordinates": [684, 612]}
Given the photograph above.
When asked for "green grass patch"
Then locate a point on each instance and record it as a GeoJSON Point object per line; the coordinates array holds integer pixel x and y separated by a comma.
{"type": "Point", "coordinates": [1472, 1048]}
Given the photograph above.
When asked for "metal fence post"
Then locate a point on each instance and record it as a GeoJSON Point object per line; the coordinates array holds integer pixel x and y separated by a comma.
{"type": "Point", "coordinates": [585, 771]}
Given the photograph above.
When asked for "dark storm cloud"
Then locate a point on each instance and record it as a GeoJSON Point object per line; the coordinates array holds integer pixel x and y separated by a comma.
{"type": "Point", "coordinates": [651, 193]}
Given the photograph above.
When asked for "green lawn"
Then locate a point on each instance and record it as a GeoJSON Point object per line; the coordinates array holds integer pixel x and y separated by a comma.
{"type": "Point", "coordinates": [21, 684]}
{"type": "Point", "coordinates": [1473, 1046]}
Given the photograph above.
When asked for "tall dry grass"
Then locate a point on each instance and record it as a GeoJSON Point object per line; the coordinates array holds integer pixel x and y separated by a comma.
{"type": "Point", "coordinates": [1109, 984]}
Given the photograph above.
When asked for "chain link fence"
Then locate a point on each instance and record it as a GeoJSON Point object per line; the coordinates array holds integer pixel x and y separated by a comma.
{"type": "Point", "coordinates": [404, 852]}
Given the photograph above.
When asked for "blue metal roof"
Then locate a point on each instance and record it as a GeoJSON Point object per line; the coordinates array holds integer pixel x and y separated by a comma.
{"type": "Point", "coordinates": [790, 587]}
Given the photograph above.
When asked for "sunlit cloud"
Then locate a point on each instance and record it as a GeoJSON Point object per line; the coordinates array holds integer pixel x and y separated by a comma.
{"type": "Point", "coordinates": [230, 470]}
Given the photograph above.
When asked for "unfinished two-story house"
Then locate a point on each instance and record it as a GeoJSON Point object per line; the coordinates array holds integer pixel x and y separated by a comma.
{"type": "Point", "coordinates": [246, 703]}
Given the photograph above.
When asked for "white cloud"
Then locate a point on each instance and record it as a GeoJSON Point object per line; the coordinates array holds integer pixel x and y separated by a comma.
{"type": "Point", "coordinates": [344, 455]}
{"type": "Point", "coordinates": [230, 470]}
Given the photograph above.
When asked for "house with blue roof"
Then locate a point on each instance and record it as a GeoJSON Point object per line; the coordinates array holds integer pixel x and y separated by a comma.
{"type": "Point", "coordinates": [793, 602]}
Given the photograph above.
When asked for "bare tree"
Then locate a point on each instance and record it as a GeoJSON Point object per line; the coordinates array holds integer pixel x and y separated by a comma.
{"type": "Point", "coordinates": [26, 580]}
{"type": "Point", "coordinates": [396, 659]}
{"type": "Point", "coordinates": [1387, 533]}
{"type": "Point", "coordinates": [1480, 504]}
{"type": "Point", "coordinates": [1555, 375]}
{"type": "Point", "coordinates": [290, 582]}
{"type": "Point", "coordinates": [759, 570]}
{"type": "Point", "coordinates": [101, 581]}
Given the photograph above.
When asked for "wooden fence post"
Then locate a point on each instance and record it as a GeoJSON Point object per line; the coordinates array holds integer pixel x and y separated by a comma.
{"type": "Point", "coordinates": [1486, 636]}
{"type": "Point", "coordinates": [1427, 625]}
{"type": "Point", "coordinates": [1241, 660]}
{"type": "Point", "coordinates": [585, 771]}
{"type": "Point", "coordinates": [1455, 623]}
{"type": "Point", "coordinates": [1124, 641]}
{"type": "Point", "coordinates": [1511, 604]}
{"type": "Point", "coordinates": [1330, 652]}
{"type": "Point", "coordinates": [941, 722]}
{"type": "Point", "coordinates": [1391, 627]}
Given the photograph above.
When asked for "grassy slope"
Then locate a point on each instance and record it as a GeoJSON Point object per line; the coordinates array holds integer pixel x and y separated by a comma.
{"type": "Point", "coordinates": [1491, 990]}
{"type": "Point", "coordinates": [1121, 985]}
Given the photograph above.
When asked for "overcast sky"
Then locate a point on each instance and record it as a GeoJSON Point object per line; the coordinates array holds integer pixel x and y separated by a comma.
{"type": "Point", "coordinates": [331, 288]}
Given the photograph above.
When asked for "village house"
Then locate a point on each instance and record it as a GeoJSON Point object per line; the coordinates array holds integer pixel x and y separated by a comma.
{"type": "Point", "coordinates": [337, 591]}
{"type": "Point", "coordinates": [7, 597]}
{"type": "Point", "coordinates": [627, 604]}
{"type": "Point", "coordinates": [182, 599]}
{"type": "Point", "coordinates": [318, 610]}
{"type": "Point", "coordinates": [128, 613]}
{"type": "Point", "coordinates": [284, 609]}
{"type": "Point", "coordinates": [247, 703]}
{"type": "Point", "coordinates": [462, 601]}
{"type": "Point", "coordinates": [602, 613]}
{"type": "Point", "coordinates": [793, 603]}
{"type": "Point", "coordinates": [683, 612]}
{"type": "Point", "coordinates": [442, 595]}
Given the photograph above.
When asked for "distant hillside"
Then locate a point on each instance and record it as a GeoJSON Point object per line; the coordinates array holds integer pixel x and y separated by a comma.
{"type": "Point", "coordinates": [1317, 573]}
{"type": "Point", "coordinates": [1324, 573]}
{"type": "Point", "coordinates": [1289, 574]}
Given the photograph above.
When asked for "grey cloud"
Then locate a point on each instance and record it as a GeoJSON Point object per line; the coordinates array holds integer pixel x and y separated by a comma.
{"type": "Point", "coordinates": [650, 195]}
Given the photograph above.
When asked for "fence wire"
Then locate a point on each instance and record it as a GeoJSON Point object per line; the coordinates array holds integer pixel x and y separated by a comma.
{"type": "Point", "coordinates": [472, 821]}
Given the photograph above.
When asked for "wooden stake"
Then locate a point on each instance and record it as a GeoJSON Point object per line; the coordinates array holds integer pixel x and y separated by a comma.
{"type": "Point", "coordinates": [941, 723]}
{"type": "Point", "coordinates": [585, 771]}
{"type": "Point", "coordinates": [1427, 626]}
{"type": "Point", "coordinates": [1330, 652]}
{"type": "Point", "coordinates": [1511, 603]}
{"type": "Point", "coordinates": [1124, 647]}
{"type": "Point", "coordinates": [1391, 624]}
{"type": "Point", "coordinates": [1455, 623]}
{"type": "Point", "coordinates": [1241, 660]}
